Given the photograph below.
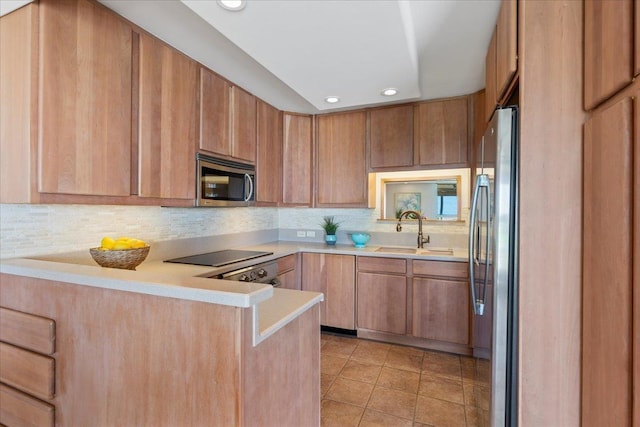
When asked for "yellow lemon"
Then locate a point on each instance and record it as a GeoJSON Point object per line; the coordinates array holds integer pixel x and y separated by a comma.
{"type": "Point", "coordinates": [107, 243]}
{"type": "Point", "coordinates": [137, 244]}
{"type": "Point", "coordinates": [120, 245]}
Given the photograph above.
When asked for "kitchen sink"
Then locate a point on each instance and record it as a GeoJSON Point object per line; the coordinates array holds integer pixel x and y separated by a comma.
{"type": "Point", "coordinates": [428, 251]}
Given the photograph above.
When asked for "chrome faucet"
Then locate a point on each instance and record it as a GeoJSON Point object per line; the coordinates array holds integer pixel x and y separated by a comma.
{"type": "Point", "coordinates": [421, 239]}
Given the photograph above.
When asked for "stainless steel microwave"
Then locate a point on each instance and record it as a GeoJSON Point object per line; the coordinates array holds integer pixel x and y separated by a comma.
{"type": "Point", "coordinates": [224, 183]}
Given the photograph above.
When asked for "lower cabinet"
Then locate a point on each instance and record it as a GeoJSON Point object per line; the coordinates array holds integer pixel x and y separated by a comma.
{"type": "Point", "coordinates": [334, 276]}
{"type": "Point", "coordinates": [382, 302]}
{"type": "Point", "coordinates": [288, 272]}
{"type": "Point", "coordinates": [441, 310]}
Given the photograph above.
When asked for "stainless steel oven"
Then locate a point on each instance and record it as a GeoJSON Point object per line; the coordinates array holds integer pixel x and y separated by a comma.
{"type": "Point", "coordinates": [263, 273]}
{"type": "Point", "coordinates": [223, 183]}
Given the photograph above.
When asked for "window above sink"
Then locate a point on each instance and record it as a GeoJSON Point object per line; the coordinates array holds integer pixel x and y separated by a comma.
{"type": "Point", "coordinates": [441, 195]}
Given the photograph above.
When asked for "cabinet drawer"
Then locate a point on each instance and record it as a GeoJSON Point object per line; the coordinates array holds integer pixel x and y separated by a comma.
{"type": "Point", "coordinates": [27, 371]}
{"type": "Point", "coordinates": [28, 331]}
{"type": "Point", "coordinates": [458, 270]}
{"type": "Point", "coordinates": [286, 263]}
{"type": "Point", "coordinates": [19, 409]}
{"type": "Point", "coordinates": [382, 265]}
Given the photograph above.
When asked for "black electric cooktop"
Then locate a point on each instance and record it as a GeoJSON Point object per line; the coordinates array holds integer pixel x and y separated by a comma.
{"type": "Point", "coordinates": [219, 258]}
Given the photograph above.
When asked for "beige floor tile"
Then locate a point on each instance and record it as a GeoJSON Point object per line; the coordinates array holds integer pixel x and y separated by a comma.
{"type": "Point", "coordinates": [442, 366]}
{"type": "Point", "coordinates": [398, 379]}
{"type": "Point", "coordinates": [394, 402]}
{"type": "Point", "coordinates": [379, 419]}
{"type": "Point", "coordinates": [468, 365]}
{"type": "Point", "coordinates": [439, 413]}
{"type": "Point", "coordinates": [469, 389]}
{"type": "Point", "coordinates": [339, 414]}
{"type": "Point", "coordinates": [339, 348]}
{"type": "Point", "coordinates": [332, 365]}
{"type": "Point", "coordinates": [473, 416]}
{"type": "Point", "coordinates": [441, 387]}
{"type": "Point", "coordinates": [349, 391]}
{"type": "Point", "coordinates": [421, 425]}
{"type": "Point", "coordinates": [365, 372]}
{"type": "Point", "coordinates": [325, 382]}
{"type": "Point", "coordinates": [407, 350]}
{"type": "Point", "coordinates": [401, 358]}
{"type": "Point", "coordinates": [371, 352]}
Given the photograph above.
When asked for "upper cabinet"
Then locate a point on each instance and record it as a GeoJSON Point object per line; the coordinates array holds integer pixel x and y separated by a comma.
{"type": "Point", "coordinates": [168, 115]}
{"type": "Point", "coordinates": [501, 61]}
{"type": "Point", "coordinates": [85, 100]}
{"type": "Point", "coordinates": [227, 118]}
{"type": "Point", "coordinates": [391, 137]}
{"type": "Point", "coordinates": [297, 160]}
{"type": "Point", "coordinates": [608, 49]}
{"type": "Point", "coordinates": [506, 46]}
{"type": "Point", "coordinates": [441, 132]}
{"type": "Point", "coordinates": [269, 155]}
{"type": "Point", "coordinates": [341, 169]}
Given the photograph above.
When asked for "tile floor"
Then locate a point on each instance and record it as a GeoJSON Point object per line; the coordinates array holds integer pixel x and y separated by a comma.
{"type": "Point", "coordinates": [366, 383]}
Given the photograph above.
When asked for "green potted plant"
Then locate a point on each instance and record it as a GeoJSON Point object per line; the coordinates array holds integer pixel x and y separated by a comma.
{"type": "Point", "coordinates": [330, 227]}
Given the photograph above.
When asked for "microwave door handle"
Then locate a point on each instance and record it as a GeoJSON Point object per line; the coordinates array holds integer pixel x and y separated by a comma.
{"type": "Point", "coordinates": [472, 244]}
{"type": "Point", "coordinates": [247, 177]}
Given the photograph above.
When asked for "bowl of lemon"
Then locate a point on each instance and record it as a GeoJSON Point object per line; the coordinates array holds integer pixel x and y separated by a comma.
{"type": "Point", "coordinates": [124, 252]}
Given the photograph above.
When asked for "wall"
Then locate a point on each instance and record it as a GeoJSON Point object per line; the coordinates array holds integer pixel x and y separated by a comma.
{"type": "Point", "coordinates": [28, 230]}
{"type": "Point", "coordinates": [46, 229]}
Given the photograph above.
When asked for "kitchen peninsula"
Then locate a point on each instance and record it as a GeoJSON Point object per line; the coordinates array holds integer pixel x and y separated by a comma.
{"type": "Point", "coordinates": [156, 348]}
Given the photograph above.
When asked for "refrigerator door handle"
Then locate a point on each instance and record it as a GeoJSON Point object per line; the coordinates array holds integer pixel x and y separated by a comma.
{"type": "Point", "coordinates": [481, 181]}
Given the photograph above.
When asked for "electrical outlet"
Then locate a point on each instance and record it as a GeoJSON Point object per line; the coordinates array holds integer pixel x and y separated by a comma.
{"type": "Point", "coordinates": [311, 234]}
{"type": "Point", "coordinates": [301, 234]}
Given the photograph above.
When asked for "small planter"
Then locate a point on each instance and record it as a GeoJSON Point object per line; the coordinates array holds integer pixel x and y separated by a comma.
{"type": "Point", "coordinates": [330, 239]}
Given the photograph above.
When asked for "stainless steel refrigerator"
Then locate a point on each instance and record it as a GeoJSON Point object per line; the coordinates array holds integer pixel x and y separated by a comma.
{"type": "Point", "coordinates": [493, 271]}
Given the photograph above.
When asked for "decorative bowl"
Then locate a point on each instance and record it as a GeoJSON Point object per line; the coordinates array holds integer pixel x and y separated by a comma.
{"type": "Point", "coordinates": [127, 259]}
{"type": "Point", "coordinates": [360, 239]}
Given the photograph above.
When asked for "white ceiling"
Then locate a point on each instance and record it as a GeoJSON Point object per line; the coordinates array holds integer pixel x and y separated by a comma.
{"type": "Point", "coordinates": [294, 53]}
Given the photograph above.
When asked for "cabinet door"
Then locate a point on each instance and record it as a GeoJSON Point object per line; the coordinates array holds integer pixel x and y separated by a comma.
{"type": "Point", "coordinates": [289, 280]}
{"type": "Point", "coordinates": [269, 155]}
{"type": "Point", "coordinates": [506, 46]}
{"type": "Point", "coordinates": [382, 302]}
{"type": "Point", "coordinates": [243, 125]}
{"type": "Point", "coordinates": [85, 100]}
{"type": "Point", "coordinates": [490, 89]}
{"type": "Point", "coordinates": [608, 49]}
{"type": "Point", "coordinates": [441, 310]}
{"type": "Point", "coordinates": [342, 177]}
{"type": "Point", "coordinates": [607, 308]}
{"type": "Point", "coordinates": [391, 137]}
{"type": "Point", "coordinates": [168, 121]}
{"type": "Point", "coordinates": [214, 113]}
{"type": "Point", "coordinates": [296, 160]}
{"type": "Point", "coordinates": [441, 132]}
{"type": "Point", "coordinates": [333, 275]}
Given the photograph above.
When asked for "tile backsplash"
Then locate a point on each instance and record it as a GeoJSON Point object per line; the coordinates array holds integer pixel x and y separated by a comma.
{"type": "Point", "coordinates": [29, 230]}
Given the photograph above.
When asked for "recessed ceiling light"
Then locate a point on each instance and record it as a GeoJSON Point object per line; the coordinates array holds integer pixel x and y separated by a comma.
{"type": "Point", "coordinates": [233, 5]}
{"type": "Point", "coordinates": [332, 99]}
{"type": "Point", "coordinates": [390, 91]}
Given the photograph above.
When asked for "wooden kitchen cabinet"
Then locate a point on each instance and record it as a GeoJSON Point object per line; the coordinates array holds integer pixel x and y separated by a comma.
{"type": "Point", "coordinates": [85, 100]}
{"type": "Point", "coordinates": [440, 309]}
{"type": "Point", "coordinates": [391, 137]}
{"type": "Point", "coordinates": [382, 294]}
{"type": "Point", "coordinates": [288, 272]}
{"type": "Point", "coordinates": [636, 31]}
{"type": "Point", "coordinates": [441, 132]}
{"type": "Point", "coordinates": [506, 47]}
{"type": "Point", "coordinates": [608, 49]}
{"type": "Point", "coordinates": [490, 89]}
{"type": "Point", "coordinates": [341, 168]}
{"type": "Point", "coordinates": [168, 115]}
{"type": "Point", "coordinates": [610, 271]}
{"type": "Point", "coordinates": [269, 155]}
{"type": "Point", "coordinates": [227, 118]}
{"type": "Point", "coordinates": [297, 160]}
{"type": "Point", "coordinates": [334, 276]}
